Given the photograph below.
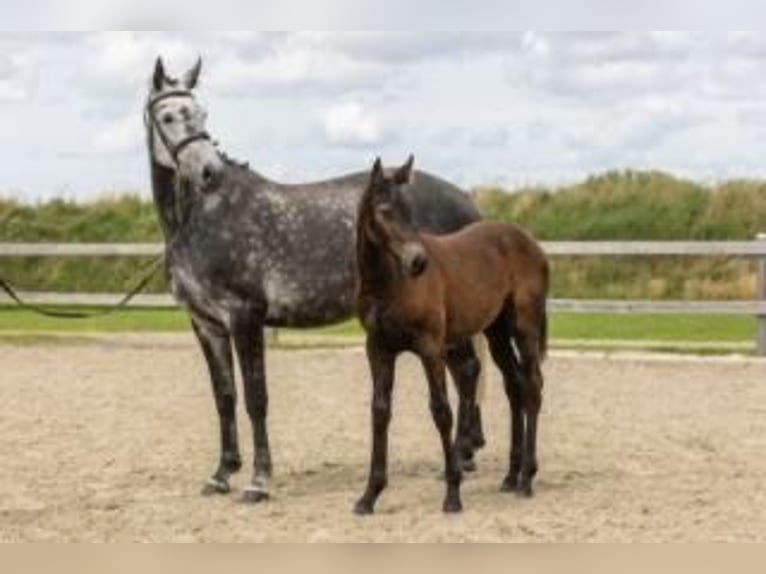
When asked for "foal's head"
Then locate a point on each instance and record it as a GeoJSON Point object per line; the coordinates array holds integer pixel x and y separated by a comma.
{"type": "Point", "coordinates": [385, 218]}
{"type": "Point", "coordinates": [175, 121]}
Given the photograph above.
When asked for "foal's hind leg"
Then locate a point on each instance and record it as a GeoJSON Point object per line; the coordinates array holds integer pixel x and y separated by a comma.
{"type": "Point", "coordinates": [528, 339]}
{"type": "Point", "coordinates": [247, 327]}
{"type": "Point", "coordinates": [499, 338]}
{"type": "Point", "coordinates": [465, 368]}
{"type": "Point", "coordinates": [216, 346]}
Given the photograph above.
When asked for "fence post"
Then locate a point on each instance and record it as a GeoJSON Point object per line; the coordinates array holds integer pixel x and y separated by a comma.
{"type": "Point", "coordinates": [761, 343]}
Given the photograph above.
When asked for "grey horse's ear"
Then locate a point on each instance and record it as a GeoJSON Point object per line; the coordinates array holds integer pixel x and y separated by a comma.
{"type": "Point", "coordinates": [403, 175]}
{"type": "Point", "coordinates": [191, 78]}
{"type": "Point", "coordinates": [159, 78]}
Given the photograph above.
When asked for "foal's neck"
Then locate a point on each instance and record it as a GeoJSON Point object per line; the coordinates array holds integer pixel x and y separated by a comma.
{"type": "Point", "coordinates": [379, 274]}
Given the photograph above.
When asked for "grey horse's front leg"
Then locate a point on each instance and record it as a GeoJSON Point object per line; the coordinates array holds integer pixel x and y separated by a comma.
{"type": "Point", "coordinates": [248, 332]}
{"type": "Point", "coordinates": [216, 346]}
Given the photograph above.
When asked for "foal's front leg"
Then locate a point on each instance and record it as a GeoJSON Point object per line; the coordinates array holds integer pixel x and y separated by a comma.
{"type": "Point", "coordinates": [433, 363]}
{"type": "Point", "coordinates": [216, 346]}
{"type": "Point", "coordinates": [247, 328]}
{"type": "Point", "coordinates": [382, 369]}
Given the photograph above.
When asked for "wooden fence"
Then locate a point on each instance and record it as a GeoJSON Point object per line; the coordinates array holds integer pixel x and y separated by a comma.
{"type": "Point", "coordinates": [747, 249]}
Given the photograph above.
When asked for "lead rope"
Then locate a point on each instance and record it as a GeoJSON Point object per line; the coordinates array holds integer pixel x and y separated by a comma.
{"type": "Point", "coordinates": [151, 121]}
{"type": "Point", "coordinates": [137, 288]}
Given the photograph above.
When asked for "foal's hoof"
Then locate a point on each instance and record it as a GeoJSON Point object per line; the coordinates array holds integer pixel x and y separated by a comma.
{"type": "Point", "coordinates": [215, 486]}
{"type": "Point", "coordinates": [363, 508]}
{"type": "Point", "coordinates": [452, 506]}
{"type": "Point", "coordinates": [254, 496]}
{"type": "Point", "coordinates": [526, 490]}
{"type": "Point", "coordinates": [468, 465]}
{"type": "Point", "coordinates": [510, 484]}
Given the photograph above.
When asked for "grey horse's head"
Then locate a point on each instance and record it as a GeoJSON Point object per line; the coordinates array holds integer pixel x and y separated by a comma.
{"type": "Point", "coordinates": [175, 121]}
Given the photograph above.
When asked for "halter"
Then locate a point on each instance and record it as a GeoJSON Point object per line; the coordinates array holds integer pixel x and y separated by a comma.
{"type": "Point", "coordinates": [176, 150]}
{"type": "Point", "coordinates": [151, 121]}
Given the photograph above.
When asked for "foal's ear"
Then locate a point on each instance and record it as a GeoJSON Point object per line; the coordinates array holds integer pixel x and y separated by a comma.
{"type": "Point", "coordinates": [377, 171]}
{"type": "Point", "coordinates": [403, 175]}
{"type": "Point", "coordinates": [159, 78]}
{"type": "Point", "coordinates": [191, 78]}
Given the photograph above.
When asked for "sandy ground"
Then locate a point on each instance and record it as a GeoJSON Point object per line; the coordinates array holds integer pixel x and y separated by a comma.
{"type": "Point", "coordinates": [113, 440]}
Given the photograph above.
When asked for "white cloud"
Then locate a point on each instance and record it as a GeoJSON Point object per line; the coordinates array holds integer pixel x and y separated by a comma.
{"type": "Point", "coordinates": [286, 63]}
{"type": "Point", "coordinates": [610, 65]}
{"type": "Point", "coordinates": [352, 125]}
{"type": "Point", "coordinates": [474, 107]}
{"type": "Point", "coordinates": [11, 91]}
{"type": "Point", "coordinates": [122, 61]}
{"type": "Point", "coordinates": [121, 136]}
{"type": "Point", "coordinates": [17, 71]}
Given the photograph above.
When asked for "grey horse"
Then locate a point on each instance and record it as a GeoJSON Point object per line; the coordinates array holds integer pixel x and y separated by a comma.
{"type": "Point", "coordinates": [244, 253]}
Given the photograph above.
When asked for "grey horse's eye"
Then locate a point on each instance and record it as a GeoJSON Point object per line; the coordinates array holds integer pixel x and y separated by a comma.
{"type": "Point", "coordinates": [167, 118]}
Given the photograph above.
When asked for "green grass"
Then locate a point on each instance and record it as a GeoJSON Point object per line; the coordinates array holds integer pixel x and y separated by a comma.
{"type": "Point", "coordinates": [617, 205]}
{"type": "Point", "coordinates": [646, 327]}
{"type": "Point", "coordinates": [132, 320]}
{"type": "Point", "coordinates": [633, 327]}
{"type": "Point", "coordinates": [564, 326]}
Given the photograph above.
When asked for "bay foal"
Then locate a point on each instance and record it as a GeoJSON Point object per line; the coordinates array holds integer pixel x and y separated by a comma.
{"type": "Point", "coordinates": [419, 293]}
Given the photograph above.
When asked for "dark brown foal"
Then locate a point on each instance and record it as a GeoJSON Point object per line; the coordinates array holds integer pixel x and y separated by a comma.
{"type": "Point", "coordinates": [420, 293]}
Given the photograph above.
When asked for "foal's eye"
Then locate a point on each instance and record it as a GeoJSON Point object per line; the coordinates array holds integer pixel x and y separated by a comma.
{"type": "Point", "coordinates": [167, 118]}
{"type": "Point", "coordinates": [385, 211]}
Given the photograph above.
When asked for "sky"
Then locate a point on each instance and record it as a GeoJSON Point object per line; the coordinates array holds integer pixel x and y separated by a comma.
{"type": "Point", "coordinates": [478, 108]}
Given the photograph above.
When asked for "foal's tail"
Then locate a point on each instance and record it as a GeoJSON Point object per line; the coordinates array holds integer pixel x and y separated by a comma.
{"type": "Point", "coordinates": [543, 344]}
{"type": "Point", "coordinates": [543, 312]}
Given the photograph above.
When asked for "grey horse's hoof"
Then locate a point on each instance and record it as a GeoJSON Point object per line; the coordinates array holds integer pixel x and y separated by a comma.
{"type": "Point", "coordinates": [215, 486]}
{"type": "Point", "coordinates": [255, 495]}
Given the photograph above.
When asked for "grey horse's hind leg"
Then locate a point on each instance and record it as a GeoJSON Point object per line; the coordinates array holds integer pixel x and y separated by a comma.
{"type": "Point", "coordinates": [465, 368]}
{"type": "Point", "coordinates": [216, 346]}
{"type": "Point", "coordinates": [247, 329]}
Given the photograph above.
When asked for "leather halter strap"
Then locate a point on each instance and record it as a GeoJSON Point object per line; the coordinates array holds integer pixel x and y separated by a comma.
{"type": "Point", "coordinates": [173, 150]}
{"type": "Point", "coordinates": [167, 95]}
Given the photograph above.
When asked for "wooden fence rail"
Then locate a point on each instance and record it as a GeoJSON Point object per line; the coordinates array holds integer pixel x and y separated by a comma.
{"type": "Point", "coordinates": [755, 248]}
{"type": "Point", "coordinates": [747, 249]}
